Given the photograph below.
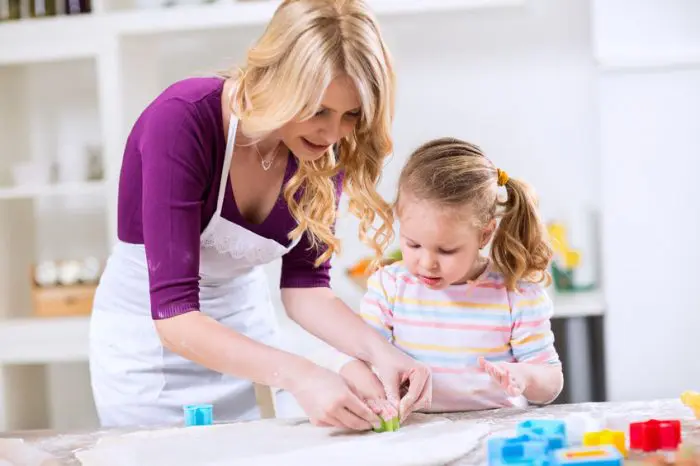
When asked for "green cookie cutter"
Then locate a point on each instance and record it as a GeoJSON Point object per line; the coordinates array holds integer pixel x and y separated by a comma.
{"type": "Point", "coordinates": [391, 425]}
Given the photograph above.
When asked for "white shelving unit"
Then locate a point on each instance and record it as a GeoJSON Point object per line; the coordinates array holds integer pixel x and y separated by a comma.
{"type": "Point", "coordinates": [118, 55]}
{"type": "Point", "coordinates": [52, 190]}
{"type": "Point", "coordinates": [44, 341]}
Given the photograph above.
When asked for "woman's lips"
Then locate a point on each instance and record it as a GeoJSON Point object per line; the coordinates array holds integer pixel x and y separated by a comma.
{"type": "Point", "coordinates": [314, 147]}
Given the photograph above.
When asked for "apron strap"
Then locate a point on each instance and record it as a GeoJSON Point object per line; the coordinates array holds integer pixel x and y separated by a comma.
{"type": "Point", "coordinates": [230, 143]}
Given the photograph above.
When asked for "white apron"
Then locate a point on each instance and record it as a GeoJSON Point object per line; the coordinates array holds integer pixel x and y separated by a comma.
{"type": "Point", "coordinates": [135, 380]}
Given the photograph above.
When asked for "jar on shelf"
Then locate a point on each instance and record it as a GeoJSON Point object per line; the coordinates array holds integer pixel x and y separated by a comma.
{"type": "Point", "coordinates": [41, 8]}
{"type": "Point", "coordinates": [77, 7]}
{"type": "Point", "coordinates": [10, 10]}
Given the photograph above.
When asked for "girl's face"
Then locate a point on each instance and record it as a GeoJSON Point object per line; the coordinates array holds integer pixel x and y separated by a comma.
{"type": "Point", "coordinates": [440, 246]}
{"type": "Point", "coordinates": [339, 113]}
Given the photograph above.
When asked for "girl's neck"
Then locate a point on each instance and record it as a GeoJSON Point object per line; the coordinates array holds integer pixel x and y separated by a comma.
{"type": "Point", "coordinates": [477, 269]}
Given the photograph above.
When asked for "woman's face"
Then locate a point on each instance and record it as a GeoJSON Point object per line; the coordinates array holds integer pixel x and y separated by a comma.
{"type": "Point", "coordinates": [335, 119]}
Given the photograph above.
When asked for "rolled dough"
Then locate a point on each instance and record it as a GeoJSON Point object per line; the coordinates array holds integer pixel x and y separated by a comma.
{"type": "Point", "coordinates": [424, 441]}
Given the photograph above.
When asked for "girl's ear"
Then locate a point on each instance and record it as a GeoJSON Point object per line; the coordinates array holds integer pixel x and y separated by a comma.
{"type": "Point", "coordinates": [487, 234]}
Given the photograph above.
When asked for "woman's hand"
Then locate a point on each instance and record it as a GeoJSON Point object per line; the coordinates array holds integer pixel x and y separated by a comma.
{"type": "Point", "coordinates": [367, 386]}
{"type": "Point", "coordinates": [329, 401]}
{"type": "Point", "coordinates": [407, 383]}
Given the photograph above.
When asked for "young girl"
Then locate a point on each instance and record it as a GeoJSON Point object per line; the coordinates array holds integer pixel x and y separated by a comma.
{"type": "Point", "coordinates": [481, 322]}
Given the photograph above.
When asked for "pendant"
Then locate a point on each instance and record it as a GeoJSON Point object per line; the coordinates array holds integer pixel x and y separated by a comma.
{"type": "Point", "coordinates": [266, 164]}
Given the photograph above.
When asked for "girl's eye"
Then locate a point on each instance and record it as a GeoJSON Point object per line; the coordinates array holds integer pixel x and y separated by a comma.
{"type": "Point", "coordinates": [448, 252]}
{"type": "Point", "coordinates": [413, 246]}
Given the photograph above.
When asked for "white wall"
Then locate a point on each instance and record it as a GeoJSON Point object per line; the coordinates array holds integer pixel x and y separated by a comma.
{"type": "Point", "coordinates": [650, 140]}
{"type": "Point", "coordinates": [520, 82]}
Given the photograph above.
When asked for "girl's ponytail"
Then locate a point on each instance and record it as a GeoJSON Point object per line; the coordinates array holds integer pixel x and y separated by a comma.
{"type": "Point", "coordinates": [520, 248]}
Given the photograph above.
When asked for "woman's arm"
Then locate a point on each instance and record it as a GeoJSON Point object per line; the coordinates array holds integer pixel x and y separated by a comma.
{"type": "Point", "coordinates": [229, 352]}
{"type": "Point", "coordinates": [320, 312]}
{"type": "Point", "coordinates": [323, 395]}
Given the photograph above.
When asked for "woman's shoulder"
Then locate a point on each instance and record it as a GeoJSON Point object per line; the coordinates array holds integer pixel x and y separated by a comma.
{"type": "Point", "coordinates": [193, 100]}
{"type": "Point", "coordinates": [193, 90]}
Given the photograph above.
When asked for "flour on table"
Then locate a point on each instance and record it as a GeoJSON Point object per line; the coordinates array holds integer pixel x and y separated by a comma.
{"type": "Point", "coordinates": [15, 452]}
{"type": "Point", "coordinates": [423, 441]}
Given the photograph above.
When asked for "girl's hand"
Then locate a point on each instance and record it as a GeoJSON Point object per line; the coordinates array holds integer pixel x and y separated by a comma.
{"type": "Point", "coordinates": [407, 382]}
{"type": "Point", "coordinates": [330, 402]}
{"type": "Point", "coordinates": [367, 386]}
{"type": "Point", "coordinates": [508, 375]}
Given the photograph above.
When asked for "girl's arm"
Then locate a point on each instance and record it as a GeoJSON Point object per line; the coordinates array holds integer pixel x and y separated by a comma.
{"type": "Point", "coordinates": [366, 337]}
{"type": "Point", "coordinates": [538, 383]}
{"type": "Point", "coordinates": [537, 374]}
{"type": "Point", "coordinates": [323, 314]}
{"type": "Point", "coordinates": [543, 382]}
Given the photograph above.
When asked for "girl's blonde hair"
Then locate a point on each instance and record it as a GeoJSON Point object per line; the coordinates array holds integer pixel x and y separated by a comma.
{"type": "Point", "coordinates": [454, 173]}
{"type": "Point", "coordinates": [306, 45]}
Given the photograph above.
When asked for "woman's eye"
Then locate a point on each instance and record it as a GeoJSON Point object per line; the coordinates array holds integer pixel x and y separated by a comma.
{"type": "Point", "coordinates": [321, 112]}
{"type": "Point", "coordinates": [353, 115]}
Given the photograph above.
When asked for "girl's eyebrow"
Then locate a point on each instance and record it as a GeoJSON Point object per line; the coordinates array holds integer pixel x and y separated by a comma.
{"type": "Point", "coordinates": [406, 237]}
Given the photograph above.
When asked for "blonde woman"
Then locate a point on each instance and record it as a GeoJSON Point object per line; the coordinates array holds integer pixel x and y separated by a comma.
{"type": "Point", "coordinates": [223, 175]}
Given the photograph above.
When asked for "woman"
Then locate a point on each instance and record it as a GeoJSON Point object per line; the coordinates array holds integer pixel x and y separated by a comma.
{"type": "Point", "coordinates": [223, 175]}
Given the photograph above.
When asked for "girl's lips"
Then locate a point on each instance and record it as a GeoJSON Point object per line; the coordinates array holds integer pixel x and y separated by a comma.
{"type": "Point", "coordinates": [431, 281]}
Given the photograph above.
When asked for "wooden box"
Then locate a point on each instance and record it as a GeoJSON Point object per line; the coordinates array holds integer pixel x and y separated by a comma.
{"type": "Point", "coordinates": [63, 301]}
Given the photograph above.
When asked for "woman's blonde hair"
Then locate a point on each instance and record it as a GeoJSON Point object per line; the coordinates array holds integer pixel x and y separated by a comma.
{"type": "Point", "coordinates": [454, 174]}
{"type": "Point", "coordinates": [306, 45]}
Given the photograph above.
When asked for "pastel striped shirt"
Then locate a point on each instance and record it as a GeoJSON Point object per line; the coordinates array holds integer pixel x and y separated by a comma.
{"type": "Point", "coordinates": [449, 329]}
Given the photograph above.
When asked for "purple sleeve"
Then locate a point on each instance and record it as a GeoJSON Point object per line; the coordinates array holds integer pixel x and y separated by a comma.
{"type": "Point", "coordinates": [298, 270]}
{"type": "Point", "coordinates": [174, 182]}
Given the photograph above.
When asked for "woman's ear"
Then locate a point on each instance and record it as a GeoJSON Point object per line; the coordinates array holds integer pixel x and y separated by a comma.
{"type": "Point", "coordinates": [487, 234]}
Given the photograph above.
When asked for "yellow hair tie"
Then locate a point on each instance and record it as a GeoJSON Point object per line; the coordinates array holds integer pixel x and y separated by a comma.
{"type": "Point", "coordinates": [502, 177]}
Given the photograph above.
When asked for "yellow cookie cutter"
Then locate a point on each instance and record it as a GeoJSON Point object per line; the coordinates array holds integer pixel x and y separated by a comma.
{"type": "Point", "coordinates": [692, 401]}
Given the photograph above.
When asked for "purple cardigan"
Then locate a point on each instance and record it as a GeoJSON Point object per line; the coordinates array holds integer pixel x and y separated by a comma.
{"type": "Point", "coordinates": [168, 187]}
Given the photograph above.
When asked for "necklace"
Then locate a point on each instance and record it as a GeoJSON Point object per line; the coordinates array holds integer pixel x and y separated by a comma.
{"type": "Point", "coordinates": [267, 164]}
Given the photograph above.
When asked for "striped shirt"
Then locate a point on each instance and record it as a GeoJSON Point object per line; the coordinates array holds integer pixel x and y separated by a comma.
{"type": "Point", "coordinates": [450, 329]}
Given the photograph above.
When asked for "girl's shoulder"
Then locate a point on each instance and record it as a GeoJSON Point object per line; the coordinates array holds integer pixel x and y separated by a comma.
{"type": "Point", "coordinates": [524, 289]}
{"type": "Point", "coordinates": [391, 276]}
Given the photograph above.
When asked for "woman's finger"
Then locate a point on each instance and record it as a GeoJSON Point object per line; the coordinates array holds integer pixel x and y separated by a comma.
{"type": "Point", "coordinates": [362, 416]}
{"type": "Point", "coordinates": [327, 421]}
{"type": "Point", "coordinates": [351, 420]}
